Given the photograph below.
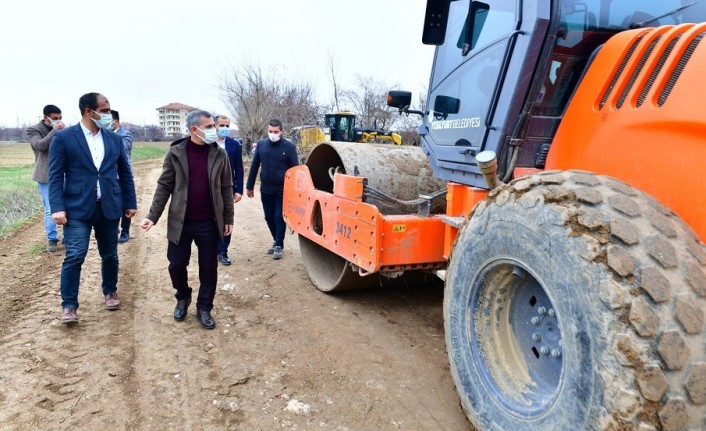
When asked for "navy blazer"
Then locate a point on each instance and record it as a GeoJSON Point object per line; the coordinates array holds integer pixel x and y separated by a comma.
{"type": "Point", "coordinates": [235, 156]}
{"type": "Point", "coordinates": [73, 175]}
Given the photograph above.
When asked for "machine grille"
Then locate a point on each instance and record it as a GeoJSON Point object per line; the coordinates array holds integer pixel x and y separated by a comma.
{"type": "Point", "coordinates": [636, 72]}
{"type": "Point", "coordinates": [679, 69]}
{"type": "Point", "coordinates": [619, 72]}
{"type": "Point", "coordinates": [541, 159]}
{"type": "Point", "coordinates": [653, 76]}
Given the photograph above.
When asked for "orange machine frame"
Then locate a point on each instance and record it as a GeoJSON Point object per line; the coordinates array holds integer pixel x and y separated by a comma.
{"type": "Point", "coordinates": [342, 223]}
{"type": "Point", "coordinates": [604, 130]}
{"type": "Point", "coordinates": [614, 126]}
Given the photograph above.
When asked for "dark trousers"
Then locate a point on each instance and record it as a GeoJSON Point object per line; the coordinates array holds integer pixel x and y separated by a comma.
{"type": "Point", "coordinates": [223, 245]}
{"type": "Point", "coordinates": [272, 205]}
{"type": "Point", "coordinates": [205, 235]}
{"type": "Point", "coordinates": [77, 234]}
{"type": "Point", "coordinates": [125, 225]}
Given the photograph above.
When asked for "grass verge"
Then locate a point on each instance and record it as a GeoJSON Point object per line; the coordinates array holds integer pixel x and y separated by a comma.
{"type": "Point", "coordinates": [147, 152]}
{"type": "Point", "coordinates": [19, 197]}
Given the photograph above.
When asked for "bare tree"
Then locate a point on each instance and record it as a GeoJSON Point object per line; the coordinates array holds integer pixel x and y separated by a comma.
{"type": "Point", "coordinates": [331, 69]}
{"type": "Point", "coordinates": [16, 134]}
{"type": "Point", "coordinates": [149, 133]}
{"type": "Point", "coordinates": [297, 106]}
{"type": "Point", "coordinates": [153, 132]}
{"type": "Point", "coordinates": [369, 102]}
{"type": "Point", "coordinates": [249, 94]}
{"type": "Point", "coordinates": [408, 124]}
{"type": "Point", "coordinates": [422, 100]}
{"type": "Point", "coordinates": [254, 96]}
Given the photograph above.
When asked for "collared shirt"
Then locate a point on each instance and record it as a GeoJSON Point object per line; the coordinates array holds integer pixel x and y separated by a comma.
{"type": "Point", "coordinates": [222, 143]}
{"type": "Point", "coordinates": [97, 148]}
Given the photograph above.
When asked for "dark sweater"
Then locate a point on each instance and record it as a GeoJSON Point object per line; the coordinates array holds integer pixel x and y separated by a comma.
{"type": "Point", "coordinates": [198, 205]}
{"type": "Point", "coordinates": [275, 158]}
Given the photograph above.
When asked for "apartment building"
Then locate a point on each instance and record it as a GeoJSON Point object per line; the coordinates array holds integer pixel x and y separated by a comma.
{"type": "Point", "coordinates": [172, 118]}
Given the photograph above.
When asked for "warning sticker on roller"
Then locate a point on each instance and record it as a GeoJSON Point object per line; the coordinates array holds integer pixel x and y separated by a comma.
{"type": "Point", "coordinates": [399, 227]}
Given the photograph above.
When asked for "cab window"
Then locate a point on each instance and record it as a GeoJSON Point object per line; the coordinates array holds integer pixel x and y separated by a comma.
{"type": "Point", "coordinates": [492, 21]}
{"type": "Point", "coordinates": [583, 27]}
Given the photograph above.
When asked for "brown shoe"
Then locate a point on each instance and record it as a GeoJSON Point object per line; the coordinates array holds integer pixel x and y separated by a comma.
{"type": "Point", "coordinates": [111, 301]}
{"type": "Point", "coordinates": [69, 316]}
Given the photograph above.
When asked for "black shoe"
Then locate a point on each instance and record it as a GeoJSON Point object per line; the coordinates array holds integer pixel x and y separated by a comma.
{"type": "Point", "coordinates": [124, 237]}
{"type": "Point", "coordinates": [205, 318]}
{"type": "Point", "coordinates": [223, 259]}
{"type": "Point", "coordinates": [181, 308]}
{"type": "Point", "coordinates": [52, 246]}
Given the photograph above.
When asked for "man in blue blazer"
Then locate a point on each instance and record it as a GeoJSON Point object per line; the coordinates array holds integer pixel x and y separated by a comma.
{"type": "Point", "coordinates": [235, 157]}
{"type": "Point", "coordinates": [90, 187]}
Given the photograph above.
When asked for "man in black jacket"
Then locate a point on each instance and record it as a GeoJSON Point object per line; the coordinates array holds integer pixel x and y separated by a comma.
{"type": "Point", "coordinates": [276, 155]}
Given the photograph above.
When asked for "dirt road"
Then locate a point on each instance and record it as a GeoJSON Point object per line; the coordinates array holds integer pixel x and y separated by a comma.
{"type": "Point", "coordinates": [284, 356]}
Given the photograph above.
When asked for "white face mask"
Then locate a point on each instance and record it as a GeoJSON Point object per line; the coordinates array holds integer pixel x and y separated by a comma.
{"type": "Point", "coordinates": [274, 137]}
{"type": "Point", "coordinates": [105, 121]}
{"type": "Point", "coordinates": [209, 135]}
{"type": "Point", "coordinates": [53, 122]}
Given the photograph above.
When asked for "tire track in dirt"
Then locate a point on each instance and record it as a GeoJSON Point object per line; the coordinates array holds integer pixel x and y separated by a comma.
{"type": "Point", "coordinates": [49, 368]}
{"type": "Point", "coordinates": [361, 360]}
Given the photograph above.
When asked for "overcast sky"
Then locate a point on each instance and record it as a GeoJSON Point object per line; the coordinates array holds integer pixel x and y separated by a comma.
{"type": "Point", "coordinates": [148, 53]}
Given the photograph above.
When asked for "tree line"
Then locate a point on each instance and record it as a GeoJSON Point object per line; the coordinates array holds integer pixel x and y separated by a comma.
{"type": "Point", "coordinates": [254, 95]}
{"type": "Point", "coordinates": [150, 132]}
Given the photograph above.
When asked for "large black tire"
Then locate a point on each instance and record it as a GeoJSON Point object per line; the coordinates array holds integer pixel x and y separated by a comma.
{"type": "Point", "coordinates": [574, 302]}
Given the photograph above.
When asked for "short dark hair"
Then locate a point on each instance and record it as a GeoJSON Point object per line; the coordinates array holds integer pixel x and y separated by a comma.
{"type": "Point", "coordinates": [275, 123]}
{"type": "Point", "coordinates": [51, 109]}
{"type": "Point", "coordinates": [115, 114]}
{"type": "Point", "coordinates": [88, 100]}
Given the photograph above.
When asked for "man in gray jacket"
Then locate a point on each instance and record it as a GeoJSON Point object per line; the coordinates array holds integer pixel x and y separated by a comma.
{"type": "Point", "coordinates": [197, 175]}
{"type": "Point", "coordinates": [40, 136]}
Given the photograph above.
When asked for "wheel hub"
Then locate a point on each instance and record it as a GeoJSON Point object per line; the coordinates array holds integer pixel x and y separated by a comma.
{"type": "Point", "coordinates": [515, 303]}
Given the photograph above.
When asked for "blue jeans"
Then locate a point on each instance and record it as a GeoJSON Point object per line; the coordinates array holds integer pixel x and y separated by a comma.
{"type": "Point", "coordinates": [77, 234]}
{"type": "Point", "coordinates": [272, 205]}
{"type": "Point", "coordinates": [49, 225]}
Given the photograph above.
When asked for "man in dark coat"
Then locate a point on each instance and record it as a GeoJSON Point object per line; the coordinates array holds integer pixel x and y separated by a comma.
{"type": "Point", "coordinates": [197, 176]}
{"type": "Point", "coordinates": [235, 156]}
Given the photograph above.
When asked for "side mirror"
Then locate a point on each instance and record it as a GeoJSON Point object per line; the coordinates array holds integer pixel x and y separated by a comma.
{"type": "Point", "coordinates": [399, 99]}
{"type": "Point", "coordinates": [435, 21]}
{"type": "Point", "coordinates": [445, 105]}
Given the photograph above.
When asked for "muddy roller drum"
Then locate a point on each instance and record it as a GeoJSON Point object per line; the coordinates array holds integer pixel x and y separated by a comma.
{"type": "Point", "coordinates": [402, 172]}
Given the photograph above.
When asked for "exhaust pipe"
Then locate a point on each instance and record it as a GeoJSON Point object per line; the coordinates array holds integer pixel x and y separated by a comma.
{"type": "Point", "coordinates": [488, 166]}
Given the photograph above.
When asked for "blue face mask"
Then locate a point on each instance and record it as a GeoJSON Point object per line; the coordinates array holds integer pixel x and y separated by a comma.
{"type": "Point", "coordinates": [223, 132]}
{"type": "Point", "coordinates": [105, 121]}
